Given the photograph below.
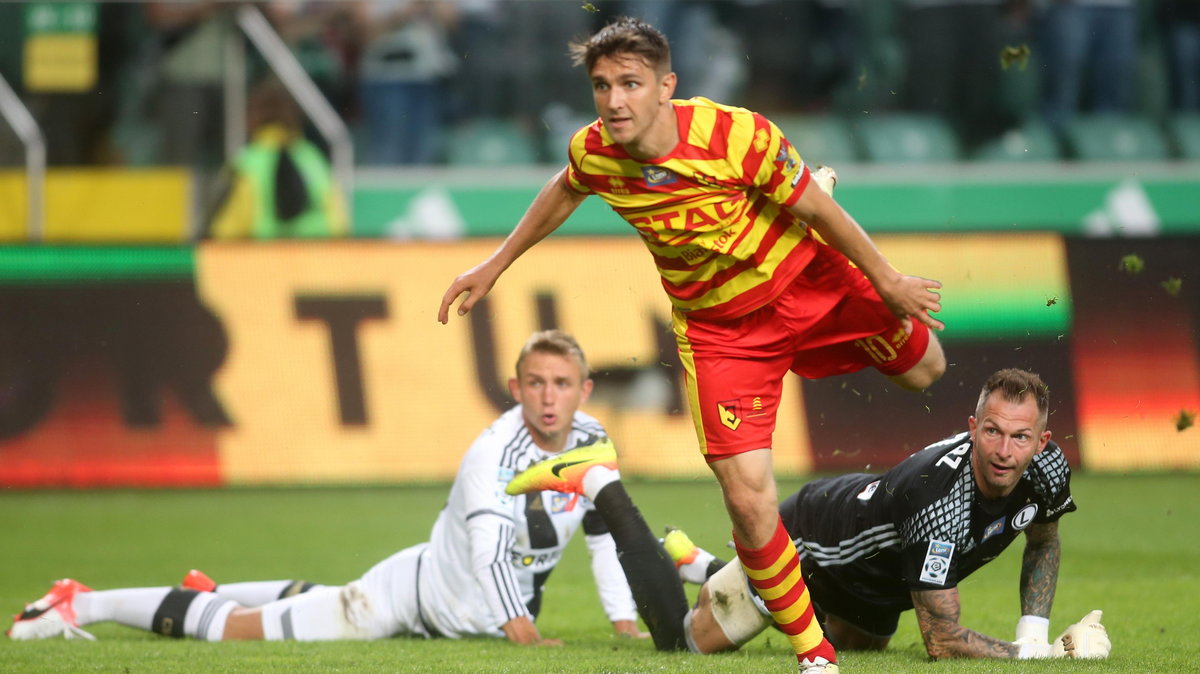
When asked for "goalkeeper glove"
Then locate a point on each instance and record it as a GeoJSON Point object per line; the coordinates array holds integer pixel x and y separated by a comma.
{"type": "Point", "coordinates": [825, 178]}
{"type": "Point", "coordinates": [1085, 639]}
{"type": "Point", "coordinates": [1033, 635]}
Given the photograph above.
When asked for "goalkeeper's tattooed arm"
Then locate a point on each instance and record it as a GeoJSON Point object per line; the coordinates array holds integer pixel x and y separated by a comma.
{"type": "Point", "coordinates": [1039, 569]}
{"type": "Point", "coordinates": [938, 612]}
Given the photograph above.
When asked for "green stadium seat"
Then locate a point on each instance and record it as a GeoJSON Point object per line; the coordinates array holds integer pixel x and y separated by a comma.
{"type": "Point", "coordinates": [1184, 130]}
{"type": "Point", "coordinates": [1032, 142]}
{"type": "Point", "coordinates": [820, 139]}
{"type": "Point", "coordinates": [1115, 137]}
{"type": "Point", "coordinates": [490, 142]}
{"type": "Point", "coordinates": [897, 138]}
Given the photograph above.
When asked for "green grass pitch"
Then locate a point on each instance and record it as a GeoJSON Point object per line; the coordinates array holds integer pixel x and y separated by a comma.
{"type": "Point", "coordinates": [1131, 550]}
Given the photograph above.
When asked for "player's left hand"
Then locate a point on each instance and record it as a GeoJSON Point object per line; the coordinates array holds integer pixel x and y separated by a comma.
{"type": "Point", "coordinates": [629, 629]}
{"type": "Point", "coordinates": [913, 296]}
{"type": "Point", "coordinates": [1085, 639]}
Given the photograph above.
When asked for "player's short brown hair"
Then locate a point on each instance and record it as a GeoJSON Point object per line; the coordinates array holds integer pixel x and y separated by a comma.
{"type": "Point", "coordinates": [554, 342]}
{"type": "Point", "coordinates": [1014, 385]}
{"type": "Point", "coordinates": [624, 36]}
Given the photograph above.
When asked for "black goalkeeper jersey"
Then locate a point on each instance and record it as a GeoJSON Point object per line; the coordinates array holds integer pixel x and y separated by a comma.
{"type": "Point", "coordinates": [921, 525]}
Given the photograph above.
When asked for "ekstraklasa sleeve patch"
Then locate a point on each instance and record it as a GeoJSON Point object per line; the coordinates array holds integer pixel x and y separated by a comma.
{"type": "Point", "coordinates": [937, 562]}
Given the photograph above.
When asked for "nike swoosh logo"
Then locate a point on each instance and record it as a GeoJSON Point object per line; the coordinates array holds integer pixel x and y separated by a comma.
{"type": "Point", "coordinates": [559, 467]}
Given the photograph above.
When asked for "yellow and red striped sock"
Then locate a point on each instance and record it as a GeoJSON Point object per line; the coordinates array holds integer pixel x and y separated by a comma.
{"type": "Point", "coordinates": [774, 570]}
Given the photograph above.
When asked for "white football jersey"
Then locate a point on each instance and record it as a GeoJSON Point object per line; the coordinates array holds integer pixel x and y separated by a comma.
{"type": "Point", "coordinates": [490, 553]}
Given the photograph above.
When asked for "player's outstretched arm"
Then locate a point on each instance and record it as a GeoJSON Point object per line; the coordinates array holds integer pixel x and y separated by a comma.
{"type": "Point", "coordinates": [938, 613]}
{"type": "Point", "coordinates": [905, 295]}
{"type": "Point", "coordinates": [1039, 569]}
{"type": "Point", "coordinates": [549, 210]}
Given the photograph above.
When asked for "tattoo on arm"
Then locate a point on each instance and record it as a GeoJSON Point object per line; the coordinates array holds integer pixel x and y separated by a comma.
{"type": "Point", "coordinates": [938, 612]}
{"type": "Point", "coordinates": [1039, 569]}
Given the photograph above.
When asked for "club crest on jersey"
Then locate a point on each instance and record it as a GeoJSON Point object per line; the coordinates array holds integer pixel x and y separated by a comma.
{"type": "Point", "coordinates": [868, 491]}
{"type": "Point", "coordinates": [1024, 516]}
{"type": "Point", "coordinates": [728, 410]}
{"type": "Point", "coordinates": [937, 562]}
{"type": "Point", "coordinates": [657, 175]}
{"type": "Point", "coordinates": [993, 529]}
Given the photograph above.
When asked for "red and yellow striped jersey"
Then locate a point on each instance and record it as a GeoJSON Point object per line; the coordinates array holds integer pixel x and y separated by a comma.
{"type": "Point", "coordinates": [712, 211]}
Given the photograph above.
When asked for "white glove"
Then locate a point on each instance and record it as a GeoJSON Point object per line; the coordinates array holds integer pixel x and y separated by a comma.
{"type": "Point", "coordinates": [1085, 639]}
{"type": "Point", "coordinates": [1033, 634]}
{"type": "Point", "coordinates": [825, 178]}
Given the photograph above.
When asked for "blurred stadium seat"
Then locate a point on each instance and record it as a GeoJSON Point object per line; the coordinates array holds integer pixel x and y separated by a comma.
{"type": "Point", "coordinates": [490, 142]}
{"type": "Point", "coordinates": [906, 138]}
{"type": "Point", "coordinates": [820, 139]}
{"type": "Point", "coordinates": [1115, 137]}
{"type": "Point", "coordinates": [1032, 142]}
{"type": "Point", "coordinates": [1184, 130]}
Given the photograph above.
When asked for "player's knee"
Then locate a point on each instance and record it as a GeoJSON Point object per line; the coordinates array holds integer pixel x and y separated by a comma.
{"type": "Point", "coordinates": [243, 624]}
{"type": "Point", "coordinates": [923, 375]}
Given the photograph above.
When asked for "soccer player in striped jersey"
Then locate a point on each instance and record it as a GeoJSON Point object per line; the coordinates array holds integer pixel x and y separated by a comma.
{"type": "Point", "coordinates": [765, 274]}
{"type": "Point", "coordinates": [480, 574]}
{"type": "Point", "coordinates": [876, 545]}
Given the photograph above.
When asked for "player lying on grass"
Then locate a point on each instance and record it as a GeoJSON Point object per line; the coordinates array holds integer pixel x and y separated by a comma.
{"type": "Point", "coordinates": [875, 546]}
{"type": "Point", "coordinates": [480, 574]}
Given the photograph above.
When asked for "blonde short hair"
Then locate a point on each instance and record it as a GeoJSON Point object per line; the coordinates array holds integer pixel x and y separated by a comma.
{"type": "Point", "coordinates": [554, 342]}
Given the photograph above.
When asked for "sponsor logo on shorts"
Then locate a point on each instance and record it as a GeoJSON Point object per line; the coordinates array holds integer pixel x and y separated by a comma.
{"type": "Point", "coordinates": [756, 407]}
{"type": "Point", "coordinates": [657, 175]}
{"type": "Point", "coordinates": [1024, 516]}
{"type": "Point", "coordinates": [868, 491]}
{"type": "Point", "coordinates": [728, 410]}
{"type": "Point", "coordinates": [937, 562]}
{"type": "Point", "coordinates": [993, 529]}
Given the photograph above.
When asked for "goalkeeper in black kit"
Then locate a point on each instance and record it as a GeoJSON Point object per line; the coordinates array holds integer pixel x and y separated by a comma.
{"type": "Point", "coordinates": [876, 545]}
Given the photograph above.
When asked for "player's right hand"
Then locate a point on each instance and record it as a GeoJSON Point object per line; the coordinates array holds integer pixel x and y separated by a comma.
{"type": "Point", "coordinates": [475, 282]}
{"type": "Point", "coordinates": [1085, 639]}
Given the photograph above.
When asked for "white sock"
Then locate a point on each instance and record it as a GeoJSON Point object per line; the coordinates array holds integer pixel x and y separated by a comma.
{"type": "Point", "coordinates": [206, 616]}
{"type": "Point", "coordinates": [597, 478]}
{"type": "Point", "coordinates": [259, 592]}
{"type": "Point", "coordinates": [203, 613]}
{"type": "Point", "coordinates": [696, 571]}
{"type": "Point", "coordinates": [134, 607]}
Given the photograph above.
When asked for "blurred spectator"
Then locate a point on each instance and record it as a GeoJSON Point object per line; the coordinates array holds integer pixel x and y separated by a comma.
{"type": "Point", "coordinates": [480, 43]}
{"type": "Point", "coordinates": [324, 37]}
{"type": "Point", "coordinates": [707, 57]}
{"type": "Point", "coordinates": [1089, 52]}
{"type": "Point", "coordinates": [1179, 21]}
{"type": "Point", "coordinates": [403, 78]}
{"type": "Point", "coordinates": [536, 77]}
{"type": "Point", "coordinates": [773, 51]}
{"type": "Point", "coordinates": [77, 126]}
{"type": "Point", "coordinates": [953, 65]}
{"type": "Point", "coordinates": [186, 99]}
{"type": "Point", "coordinates": [280, 185]}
